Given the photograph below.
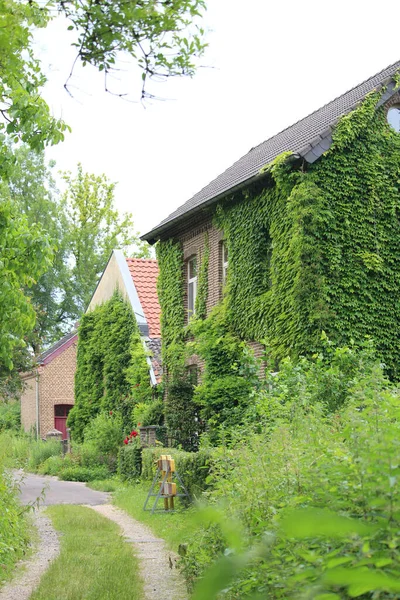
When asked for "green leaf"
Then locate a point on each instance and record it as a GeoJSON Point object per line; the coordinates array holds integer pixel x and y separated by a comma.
{"type": "Point", "coordinates": [310, 522]}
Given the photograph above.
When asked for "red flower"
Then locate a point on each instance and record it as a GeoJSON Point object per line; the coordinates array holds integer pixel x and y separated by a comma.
{"type": "Point", "coordinates": [134, 433]}
{"type": "Point", "coordinates": [126, 441]}
{"type": "Point", "coordinates": [110, 412]}
{"type": "Point", "coordinates": [139, 424]}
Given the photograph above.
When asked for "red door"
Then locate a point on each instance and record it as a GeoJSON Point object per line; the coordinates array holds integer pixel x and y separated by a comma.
{"type": "Point", "coordinates": [60, 418]}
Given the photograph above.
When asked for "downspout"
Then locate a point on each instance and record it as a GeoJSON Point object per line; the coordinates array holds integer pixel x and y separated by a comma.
{"type": "Point", "coordinates": [37, 404]}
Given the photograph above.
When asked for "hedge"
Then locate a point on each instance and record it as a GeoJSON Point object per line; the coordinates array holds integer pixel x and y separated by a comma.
{"type": "Point", "coordinates": [193, 467]}
{"type": "Point", "coordinates": [129, 462]}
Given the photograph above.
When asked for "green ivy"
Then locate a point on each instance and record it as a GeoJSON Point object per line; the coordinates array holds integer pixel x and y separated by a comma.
{"type": "Point", "coordinates": [312, 248]}
{"type": "Point", "coordinates": [202, 283]}
{"type": "Point", "coordinates": [111, 365]}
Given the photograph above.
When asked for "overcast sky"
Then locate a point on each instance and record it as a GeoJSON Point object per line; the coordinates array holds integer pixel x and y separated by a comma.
{"type": "Point", "coordinates": [268, 65]}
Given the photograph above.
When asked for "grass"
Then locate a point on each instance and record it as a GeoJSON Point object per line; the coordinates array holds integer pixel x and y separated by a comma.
{"type": "Point", "coordinates": [104, 485]}
{"type": "Point", "coordinates": [173, 527]}
{"type": "Point", "coordinates": [94, 563]}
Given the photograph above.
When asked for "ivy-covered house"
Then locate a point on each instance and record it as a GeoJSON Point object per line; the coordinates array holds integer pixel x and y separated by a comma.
{"type": "Point", "coordinates": [118, 357]}
{"type": "Point", "coordinates": [299, 236]}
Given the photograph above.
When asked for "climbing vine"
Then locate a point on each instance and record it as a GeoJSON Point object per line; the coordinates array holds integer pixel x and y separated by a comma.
{"type": "Point", "coordinates": [112, 373]}
{"type": "Point", "coordinates": [312, 248]}
{"type": "Point", "coordinates": [202, 285]}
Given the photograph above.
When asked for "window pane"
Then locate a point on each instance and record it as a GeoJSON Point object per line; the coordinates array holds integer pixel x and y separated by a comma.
{"type": "Point", "coordinates": [192, 267]}
{"type": "Point", "coordinates": [393, 118]}
{"type": "Point", "coordinates": [191, 298]}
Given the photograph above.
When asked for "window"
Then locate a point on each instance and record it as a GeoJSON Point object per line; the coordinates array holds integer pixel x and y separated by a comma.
{"type": "Point", "coordinates": [192, 285]}
{"type": "Point", "coordinates": [224, 260]}
{"type": "Point", "coordinates": [393, 118]}
{"type": "Point", "coordinates": [192, 372]}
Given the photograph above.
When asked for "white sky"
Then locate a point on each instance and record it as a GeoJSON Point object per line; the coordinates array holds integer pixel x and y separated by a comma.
{"type": "Point", "coordinates": [272, 64]}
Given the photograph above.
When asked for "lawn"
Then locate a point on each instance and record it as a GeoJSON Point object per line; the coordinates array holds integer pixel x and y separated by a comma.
{"type": "Point", "coordinates": [173, 527]}
{"type": "Point", "coordinates": [94, 563]}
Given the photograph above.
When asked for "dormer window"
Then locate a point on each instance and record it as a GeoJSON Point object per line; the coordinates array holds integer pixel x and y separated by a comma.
{"type": "Point", "coordinates": [393, 118]}
{"type": "Point", "coordinates": [192, 285]}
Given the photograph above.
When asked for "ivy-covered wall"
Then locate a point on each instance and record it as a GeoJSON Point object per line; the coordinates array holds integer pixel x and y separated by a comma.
{"type": "Point", "coordinates": [311, 248]}
{"type": "Point", "coordinates": [112, 371]}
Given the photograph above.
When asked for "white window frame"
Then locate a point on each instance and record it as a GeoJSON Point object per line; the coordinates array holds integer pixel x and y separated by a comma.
{"type": "Point", "coordinates": [225, 263]}
{"type": "Point", "coordinates": [191, 281]}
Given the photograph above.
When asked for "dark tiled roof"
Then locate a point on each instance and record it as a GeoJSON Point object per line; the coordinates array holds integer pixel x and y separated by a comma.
{"type": "Point", "coordinates": [154, 346]}
{"type": "Point", "coordinates": [144, 272]}
{"type": "Point", "coordinates": [47, 353]}
{"type": "Point", "coordinates": [297, 138]}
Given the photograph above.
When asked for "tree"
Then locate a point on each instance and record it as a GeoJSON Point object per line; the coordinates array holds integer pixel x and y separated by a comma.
{"type": "Point", "coordinates": [156, 34]}
{"type": "Point", "coordinates": [33, 189]}
{"type": "Point", "coordinates": [161, 35]}
{"type": "Point", "coordinates": [95, 228]}
{"type": "Point", "coordinates": [25, 253]}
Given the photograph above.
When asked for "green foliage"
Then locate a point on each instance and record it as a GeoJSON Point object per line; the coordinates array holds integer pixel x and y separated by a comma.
{"type": "Point", "coordinates": [101, 384]}
{"type": "Point", "coordinates": [13, 526]}
{"type": "Point", "coordinates": [24, 254]}
{"type": "Point", "coordinates": [40, 451]}
{"type": "Point", "coordinates": [10, 416]}
{"type": "Point", "coordinates": [193, 467]}
{"type": "Point", "coordinates": [317, 499]}
{"type": "Point", "coordinates": [181, 414]}
{"type": "Point", "coordinates": [104, 434]}
{"type": "Point", "coordinates": [95, 229]}
{"type": "Point", "coordinates": [230, 377]}
{"type": "Point", "coordinates": [54, 465]}
{"type": "Point", "coordinates": [163, 38]}
{"type": "Point", "coordinates": [202, 287]}
{"type": "Point", "coordinates": [129, 462]}
{"type": "Point", "coordinates": [149, 414]}
{"type": "Point", "coordinates": [79, 473]}
{"type": "Point", "coordinates": [316, 249]}
{"type": "Point", "coordinates": [137, 372]}
{"type": "Point", "coordinates": [170, 287]}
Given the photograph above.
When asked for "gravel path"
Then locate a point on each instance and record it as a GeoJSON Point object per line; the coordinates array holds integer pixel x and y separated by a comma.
{"type": "Point", "coordinates": [47, 550]}
{"type": "Point", "coordinates": [157, 565]}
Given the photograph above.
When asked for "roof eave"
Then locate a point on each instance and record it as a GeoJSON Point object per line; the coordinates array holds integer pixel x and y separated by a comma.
{"type": "Point", "coordinates": [152, 236]}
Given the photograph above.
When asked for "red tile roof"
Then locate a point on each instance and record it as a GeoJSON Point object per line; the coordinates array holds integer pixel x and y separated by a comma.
{"type": "Point", "coordinates": [144, 272]}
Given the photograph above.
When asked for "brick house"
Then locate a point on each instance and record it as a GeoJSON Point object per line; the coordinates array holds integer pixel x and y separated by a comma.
{"type": "Point", "coordinates": [49, 389]}
{"type": "Point", "coordinates": [194, 225]}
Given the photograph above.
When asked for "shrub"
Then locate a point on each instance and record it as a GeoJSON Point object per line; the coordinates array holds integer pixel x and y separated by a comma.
{"type": "Point", "coordinates": [40, 451]}
{"type": "Point", "coordinates": [54, 465]}
{"type": "Point", "coordinates": [78, 473]}
{"type": "Point", "coordinates": [151, 413]}
{"type": "Point", "coordinates": [13, 526]}
{"type": "Point", "coordinates": [10, 416]}
{"type": "Point", "coordinates": [104, 434]}
{"type": "Point", "coordinates": [276, 490]}
{"type": "Point", "coordinates": [129, 462]}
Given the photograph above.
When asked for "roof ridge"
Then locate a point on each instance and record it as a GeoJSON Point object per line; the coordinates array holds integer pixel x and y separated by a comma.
{"type": "Point", "coordinates": [141, 259]}
{"type": "Point", "coordinates": [324, 106]}
{"type": "Point", "coordinates": [310, 137]}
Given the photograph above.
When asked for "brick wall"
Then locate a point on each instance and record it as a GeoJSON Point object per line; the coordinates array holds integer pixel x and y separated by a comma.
{"type": "Point", "coordinates": [28, 404]}
{"type": "Point", "coordinates": [56, 386]}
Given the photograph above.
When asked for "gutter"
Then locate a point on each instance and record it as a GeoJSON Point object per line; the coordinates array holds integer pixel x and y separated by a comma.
{"type": "Point", "coordinates": [152, 236]}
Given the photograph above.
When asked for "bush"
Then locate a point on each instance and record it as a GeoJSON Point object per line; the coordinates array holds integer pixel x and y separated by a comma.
{"type": "Point", "coordinates": [40, 451]}
{"type": "Point", "coordinates": [78, 473]}
{"type": "Point", "coordinates": [193, 467]}
{"type": "Point", "coordinates": [129, 462]}
{"type": "Point", "coordinates": [13, 526]}
{"type": "Point", "coordinates": [105, 434]}
{"type": "Point", "coordinates": [10, 416]}
{"type": "Point", "coordinates": [54, 465]}
{"type": "Point", "coordinates": [317, 500]}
